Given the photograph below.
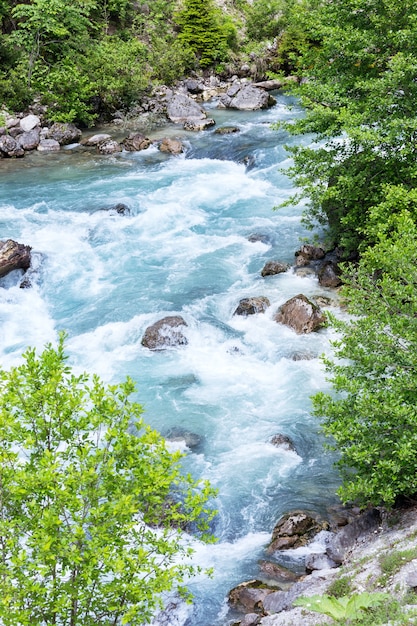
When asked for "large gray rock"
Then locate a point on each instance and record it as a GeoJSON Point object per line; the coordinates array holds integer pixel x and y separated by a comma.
{"type": "Point", "coordinates": [48, 145]}
{"type": "Point", "coordinates": [181, 107]}
{"type": "Point", "coordinates": [247, 98]}
{"type": "Point", "coordinates": [9, 147]}
{"type": "Point", "coordinates": [13, 256]}
{"type": "Point", "coordinates": [295, 529]}
{"type": "Point", "coordinates": [29, 140]}
{"type": "Point", "coordinates": [251, 306]}
{"type": "Point", "coordinates": [29, 122]}
{"type": "Point", "coordinates": [166, 333]}
{"type": "Point", "coordinates": [300, 314]}
{"type": "Point", "coordinates": [64, 133]}
{"type": "Point", "coordinates": [346, 538]}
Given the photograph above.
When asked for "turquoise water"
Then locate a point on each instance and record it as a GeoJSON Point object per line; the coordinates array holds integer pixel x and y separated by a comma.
{"type": "Point", "coordinates": [185, 248]}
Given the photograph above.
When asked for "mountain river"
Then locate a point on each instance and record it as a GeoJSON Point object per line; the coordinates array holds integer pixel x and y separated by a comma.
{"type": "Point", "coordinates": [200, 229]}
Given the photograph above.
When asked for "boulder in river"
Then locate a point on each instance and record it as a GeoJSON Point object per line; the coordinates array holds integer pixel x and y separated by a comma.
{"type": "Point", "coordinates": [136, 142]}
{"type": "Point", "coordinates": [109, 146]}
{"type": "Point", "coordinates": [227, 130]}
{"type": "Point", "coordinates": [181, 108]}
{"type": "Point", "coordinates": [48, 145]}
{"type": "Point", "coordinates": [166, 333]}
{"type": "Point", "coordinates": [329, 275]}
{"type": "Point", "coordinates": [64, 133]}
{"type": "Point", "coordinates": [94, 140]}
{"type": "Point", "coordinates": [246, 98]}
{"type": "Point", "coordinates": [13, 256]}
{"type": "Point", "coordinates": [197, 124]}
{"type": "Point", "coordinates": [282, 441]}
{"type": "Point", "coordinates": [271, 268]}
{"type": "Point", "coordinates": [308, 253]}
{"type": "Point", "coordinates": [172, 146]}
{"type": "Point", "coordinates": [295, 529]}
{"type": "Point", "coordinates": [251, 306]}
{"type": "Point", "coordinates": [300, 314]}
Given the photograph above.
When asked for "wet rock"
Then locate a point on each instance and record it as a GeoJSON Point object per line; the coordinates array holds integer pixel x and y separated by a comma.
{"type": "Point", "coordinates": [172, 146]}
{"type": "Point", "coordinates": [197, 124]}
{"type": "Point", "coordinates": [13, 256]}
{"type": "Point", "coordinates": [48, 145]}
{"type": "Point", "coordinates": [64, 133]}
{"type": "Point", "coordinates": [94, 140]}
{"type": "Point", "coordinates": [300, 314]}
{"type": "Point", "coordinates": [29, 140]}
{"type": "Point", "coordinates": [347, 537]}
{"type": "Point", "coordinates": [249, 596]}
{"type": "Point", "coordinates": [29, 122]}
{"type": "Point", "coordinates": [308, 253]}
{"type": "Point", "coordinates": [274, 267]}
{"type": "Point", "coordinates": [109, 146]}
{"type": "Point", "coordinates": [136, 142]}
{"type": "Point", "coordinates": [295, 529]}
{"type": "Point", "coordinates": [282, 441]}
{"type": "Point", "coordinates": [166, 333]}
{"type": "Point", "coordinates": [226, 130]}
{"type": "Point", "coordinates": [328, 275]}
{"type": "Point", "coordinates": [277, 572]}
{"type": "Point", "coordinates": [319, 561]}
{"type": "Point", "coordinates": [9, 147]}
{"type": "Point", "coordinates": [192, 440]}
{"type": "Point", "coordinates": [263, 238]}
{"type": "Point", "coordinates": [181, 107]}
{"type": "Point", "coordinates": [120, 209]}
{"type": "Point", "coordinates": [251, 306]}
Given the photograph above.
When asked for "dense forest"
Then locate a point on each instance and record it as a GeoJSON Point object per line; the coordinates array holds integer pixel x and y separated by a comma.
{"type": "Point", "coordinates": [88, 58]}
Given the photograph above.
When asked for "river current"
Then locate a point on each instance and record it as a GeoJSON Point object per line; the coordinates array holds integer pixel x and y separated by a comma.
{"type": "Point", "coordinates": [200, 229]}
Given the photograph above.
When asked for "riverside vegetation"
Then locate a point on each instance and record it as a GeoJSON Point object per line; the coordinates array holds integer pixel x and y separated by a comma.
{"type": "Point", "coordinates": [85, 60]}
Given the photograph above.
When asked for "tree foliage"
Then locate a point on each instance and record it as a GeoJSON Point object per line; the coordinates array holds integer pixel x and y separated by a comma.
{"type": "Point", "coordinates": [91, 502]}
{"type": "Point", "coordinates": [205, 30]}
{"type": "Point", "coordinates": [372, 416]}
{"type": "Point", "coordinates": [361, 96]}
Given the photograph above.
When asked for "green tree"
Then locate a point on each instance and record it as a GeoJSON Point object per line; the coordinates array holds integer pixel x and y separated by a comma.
{"type": "Point", "coordinates": [205, 30]}
{"type": "Point", "coordinates": [372, 414]}
{"type": "Point", "coordinates": [361, 96]}
{"type": "Point", "coordinates": [91, 502]}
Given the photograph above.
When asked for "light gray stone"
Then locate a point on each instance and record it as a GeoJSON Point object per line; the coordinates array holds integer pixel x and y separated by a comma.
{"type": "Point", "coordinates": [29, 122]}
{"type": "Point", "coordinates": [48, 145]}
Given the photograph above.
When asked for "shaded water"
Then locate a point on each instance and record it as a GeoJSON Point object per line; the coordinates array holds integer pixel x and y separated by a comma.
{"type": "Point", "coordinates": [200, 229]}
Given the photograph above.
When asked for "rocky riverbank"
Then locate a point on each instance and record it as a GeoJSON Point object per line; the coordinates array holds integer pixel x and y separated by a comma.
{"type": "Point", "coordinates": [377, 552]}
{"type": "Point", "coordinates": [28, 131]}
